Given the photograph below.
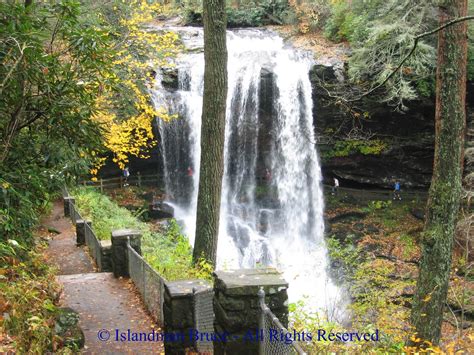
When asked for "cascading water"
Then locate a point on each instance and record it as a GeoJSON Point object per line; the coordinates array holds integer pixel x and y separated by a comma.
{"type": "Point", "coordinates": [272, 204]}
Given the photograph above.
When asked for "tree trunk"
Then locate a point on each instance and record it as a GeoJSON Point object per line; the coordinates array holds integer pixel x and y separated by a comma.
{"type": "Point", "coordinates": [212, 131]}
{"type": "Point", "coordinates": [445, 191]}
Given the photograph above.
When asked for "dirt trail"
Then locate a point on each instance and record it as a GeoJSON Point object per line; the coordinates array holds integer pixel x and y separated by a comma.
{"type": "Point", "coordinates": [103, 302]}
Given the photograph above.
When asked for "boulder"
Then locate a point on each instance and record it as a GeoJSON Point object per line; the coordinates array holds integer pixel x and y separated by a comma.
{"type": "Point", "coordinates": [160, 210]}
{"type": "Point", "coordinates": [418, 213]}
{"type": "Point", "coordinates": [68, 330]}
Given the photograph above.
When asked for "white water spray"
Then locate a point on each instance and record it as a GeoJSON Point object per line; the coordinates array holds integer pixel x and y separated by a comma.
{"type": "Point", "coordinates": [272, 203]}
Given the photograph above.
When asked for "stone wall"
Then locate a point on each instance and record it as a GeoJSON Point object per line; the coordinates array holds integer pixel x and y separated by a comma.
{"type": "Point", "coordinates": [237, 309]}
{"type": "Point", "coordinates": [178, 313]}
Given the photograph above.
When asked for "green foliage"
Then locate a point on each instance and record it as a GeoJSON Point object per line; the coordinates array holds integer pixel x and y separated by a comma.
{"type": "Point", "coordinates": [426, 87]}
{"type": "Point", "coordinates": [408, 245]}
{"type": "Point", "coordinates": [347, 255]}
{"type": "Point", "coordinates": [378, 205]}
{"type": "Point", "coordinates": [251, 17]}
{"type": "Point", "coordinates": [247, 14]}
{"type": "Point", "coordinates": [310, 16]}
{"type": "Point", "coordinates": [386, 212]}
{"type": "Point", "coordinates": [105, 214]}
{"type": "Point", "coordinates": [167, 251]}
{"type": "Point", "coordinates": [351, 21]}
{"type": "Point", "coordinates": [336, 27]}
{"type": "Point", "coordinates": [315, 321]}
{"type": "Point", "coordinates": [381, 34]}
{"type": "Point", "coordinates": [345, 148]}
{"type": "Point", "coordinates": [52, 68]}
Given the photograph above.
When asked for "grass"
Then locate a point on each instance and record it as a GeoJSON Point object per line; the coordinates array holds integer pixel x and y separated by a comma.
{"type": "Point", "coordinates": [168, 251]}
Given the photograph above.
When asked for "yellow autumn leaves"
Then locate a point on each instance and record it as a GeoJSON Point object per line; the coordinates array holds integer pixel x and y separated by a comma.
{"type": "Point", "coordinates": [127, 116]}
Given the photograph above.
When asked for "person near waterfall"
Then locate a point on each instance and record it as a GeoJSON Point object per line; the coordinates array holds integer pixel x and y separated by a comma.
{"type": "Point", "coordinates": [396, 191]}
{"type": "Point", "coordinates": [126, 174]}
{"type": "Point", "coordinates": [335, 186]}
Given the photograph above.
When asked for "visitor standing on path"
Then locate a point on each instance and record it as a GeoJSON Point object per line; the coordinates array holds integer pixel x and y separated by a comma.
{"type": "Point", "coordinates": [396, 191]}
{"type": "Point", "coordinates": [335, 186]}
{"type": "Point", "coordinates": [126, 174]}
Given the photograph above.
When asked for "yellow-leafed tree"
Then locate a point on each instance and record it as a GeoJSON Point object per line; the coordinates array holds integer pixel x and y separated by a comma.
{"type": "Point", "coordinates": [125, 109]}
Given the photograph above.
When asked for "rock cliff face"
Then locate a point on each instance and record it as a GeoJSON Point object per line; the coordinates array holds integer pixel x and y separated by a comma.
{"type": "Point", "coordinates": [405, 139]}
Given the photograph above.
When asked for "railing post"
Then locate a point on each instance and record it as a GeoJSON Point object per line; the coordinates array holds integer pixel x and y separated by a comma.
{"type": "Point", "coordinates": [237, 307]}
{"type": "Point", "coordinates": [120, 239]}
{"type": "Point", "coordinates": [81, 231]}
{"type": "Point", "coordinates": [261, 319]}
{"type": "Point", "coordinates": [179, 314]}
{"type": "Point", "coordinates": [139, 179]}
{"type": "Point", "coordinates": [67, 201]}
{"type": "Point", "coordinates": [101, 185]}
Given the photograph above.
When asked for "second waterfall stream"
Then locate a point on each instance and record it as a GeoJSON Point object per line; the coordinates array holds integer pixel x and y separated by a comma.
{"type": "Point", "coordinates": [272, 201]}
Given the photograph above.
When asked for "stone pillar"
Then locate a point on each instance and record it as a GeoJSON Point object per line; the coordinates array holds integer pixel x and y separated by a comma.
{"type": "Point", "coordinates": [67, 200]}
{"type": "Point", "coordinates": [106, 256]}
{"type": "Point", "coordinates": [237, 309]}
{"type": "Point", "coordinates": [120, 239]}
{"type": "Point", "coordinates": [81, 231]}
{"type": "Point", "coordinates": [178, 312]}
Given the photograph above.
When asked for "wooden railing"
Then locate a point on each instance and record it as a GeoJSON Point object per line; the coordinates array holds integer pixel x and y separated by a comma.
{"type": "Point", "coordinates": [121, 181]}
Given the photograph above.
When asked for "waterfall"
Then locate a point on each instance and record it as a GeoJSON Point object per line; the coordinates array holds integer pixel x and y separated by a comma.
{"type": "Point", "coordinates": [272, 203]}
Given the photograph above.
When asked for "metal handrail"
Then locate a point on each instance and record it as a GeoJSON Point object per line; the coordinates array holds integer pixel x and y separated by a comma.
{"type": "Point", "coordinates": [265, 311]}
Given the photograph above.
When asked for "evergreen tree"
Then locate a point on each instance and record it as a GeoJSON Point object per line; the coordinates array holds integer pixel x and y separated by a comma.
{"type": "Point", "coordinates": [445, 191]}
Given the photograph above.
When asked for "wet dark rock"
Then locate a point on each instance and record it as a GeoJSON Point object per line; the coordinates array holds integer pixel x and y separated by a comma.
{"type": "Point", "coordinates": [67, 329]}
{"type": "Point", "coordinates": [340, 235]}
{"type": "Point", "coordinates": [418, 213]}
{"type": "Point", "coordinates": [159, 210]}
{"type": "Point", "coordinates": [131, 208]}
{"type": "Point", "coordinates": [348, 216]}
{"type": "Point", "coordinates": [370, 229]}
{"type": "Point", "coordinates": [326, 72]}
{"type": "Point", "coordinates": [345, 236]}
{"type": "Point", "coordinates": [408, 136]}
{"type": "Point", "coordinates": [170, 79]}
{"type": "Point", "coordinates": [148, 196]}
{"type": "Point", "coordinates": [350, 200]}
{"type": "Point", "coordinates": [327, 227]}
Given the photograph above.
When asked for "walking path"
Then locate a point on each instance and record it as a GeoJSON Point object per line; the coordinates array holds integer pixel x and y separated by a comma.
{"type": "Point", "coordinates": [102, 301]}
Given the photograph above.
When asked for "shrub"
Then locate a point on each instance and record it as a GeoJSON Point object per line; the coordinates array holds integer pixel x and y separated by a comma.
{"type": "Point", "coordinates": [344, 148]}
{"type": "Point", "coordinates": [28, 293]}
{"type": "Point", "coordinates": [168, 251]}
{"type": "Point", "coordinates": [247, 14]}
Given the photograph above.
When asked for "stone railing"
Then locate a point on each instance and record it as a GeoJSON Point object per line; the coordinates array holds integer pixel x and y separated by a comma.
{"type": "Point", "coordinates": [100, 250]}
{"type": "Point", "coordinates": [194, 308]}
